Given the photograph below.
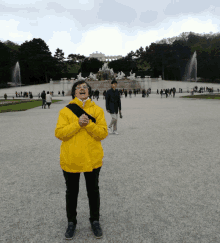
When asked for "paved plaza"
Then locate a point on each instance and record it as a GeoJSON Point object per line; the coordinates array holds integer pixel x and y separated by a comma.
{"type": "Point", "coordinates": [159, 181]}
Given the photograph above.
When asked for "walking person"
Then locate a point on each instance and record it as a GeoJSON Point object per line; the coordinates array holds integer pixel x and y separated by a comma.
{"type": "Point", "coordinates": [81, 126]}
{"type": "Point", "coordinates": [48, 99]}
{"type": "Point", "coordinates": [166, 92]}
{"type": "Point", "coordinates": [97, 94]}
{"type": "Point", "coordinates": [113, 103]}
{"type": "Point", "coordinates": [43, 96]}
{"type": "Point", "coordinates": [130, 92]}
{"type": "Point", "coordinates": [104, 93]}
{"type": "Point", "coordinates": [174, 91]}
{"type": "Point", "coordinates": [126, 93]}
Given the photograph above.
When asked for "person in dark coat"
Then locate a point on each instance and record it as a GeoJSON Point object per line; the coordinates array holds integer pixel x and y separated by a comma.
{"type": "Point", "coordinates": [174, 91]}
{"type": "Point", "coordinates": [97, 94]}
{"type": "Point", "coordinates": [130, 92]}
{"type": "Point", "coordinates": [120, 92]}
{"type": "Point", "coordinates": [126, 93]}
{"type": "Point", "coordinates": [104, 94]}
{"type": "Point", "coordinates": [93, 94]}
{"type": "Point", "coordinates": [166, 92]}
{"type": "Point", "coordinates": [148, 92]}
{"type": "Point", "coordinates": [113, 104]}
{"type": "Point", "coordinates": [43, 96]}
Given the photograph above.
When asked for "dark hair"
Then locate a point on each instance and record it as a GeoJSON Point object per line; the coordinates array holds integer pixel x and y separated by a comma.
{"type": "Point", "coordinates": [114, 81]}
{"type": "Point", "coordinates": [47, 92]}
{"type": "Point", "coordinates": [76, 84]}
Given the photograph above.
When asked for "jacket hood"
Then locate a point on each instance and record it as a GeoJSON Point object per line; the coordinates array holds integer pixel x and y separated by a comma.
{"type": "Point", "coordinates": [87, 103]}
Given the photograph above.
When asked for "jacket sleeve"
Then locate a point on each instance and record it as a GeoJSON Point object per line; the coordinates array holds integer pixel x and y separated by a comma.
{"type": "Point", "coordinates": [98, 130]}
{"type": "Point", "coordinates": [107, 101]}
{"type": "Point", "coordinates": [119, 101]}
{"type": "Point", "coordinates": [65, 130]}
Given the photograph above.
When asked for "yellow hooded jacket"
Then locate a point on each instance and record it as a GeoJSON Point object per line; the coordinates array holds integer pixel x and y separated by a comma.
{"type": "Point", "coordinates": [81, 149]}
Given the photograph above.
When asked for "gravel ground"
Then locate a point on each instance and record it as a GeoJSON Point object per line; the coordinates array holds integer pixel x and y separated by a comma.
{"type": "Point", "coordinates": [159, 181]}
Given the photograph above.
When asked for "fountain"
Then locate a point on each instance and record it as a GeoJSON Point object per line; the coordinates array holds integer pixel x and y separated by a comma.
{"type": "Point", "coordinates": [92, 76]}
{"type": "Point", "coordinates": [105, 73]}
{"type": "Point", "coordinates": [191, 70]}
{"type": "Point", "coordinates": [16, 76]}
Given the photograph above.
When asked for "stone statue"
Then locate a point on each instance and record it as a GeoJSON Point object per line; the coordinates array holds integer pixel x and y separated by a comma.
{"type": "Point", "coordinates": [92, 76]}
{"type": "Point", "coordinates": [120, 75]}
{"type": "Point", "coordinates": [79, 77]}
{"type": "Point", "coordinates": [132, 75]}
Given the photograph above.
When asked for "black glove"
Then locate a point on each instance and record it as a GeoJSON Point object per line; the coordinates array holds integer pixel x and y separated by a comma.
{"type": "Point", "coordinates": [120, 114]}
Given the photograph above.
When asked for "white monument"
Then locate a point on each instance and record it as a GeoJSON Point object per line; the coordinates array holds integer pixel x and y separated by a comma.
{"type": "Point", "coordinates": [100, 56]}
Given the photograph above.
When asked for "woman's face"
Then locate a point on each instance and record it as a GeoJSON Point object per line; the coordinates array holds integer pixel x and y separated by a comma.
{"type": "Point", "coordinates": [82, 91]}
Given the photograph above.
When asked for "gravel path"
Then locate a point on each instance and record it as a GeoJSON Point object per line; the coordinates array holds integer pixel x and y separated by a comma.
{"type": "Point", "coordinates": [159, 181]}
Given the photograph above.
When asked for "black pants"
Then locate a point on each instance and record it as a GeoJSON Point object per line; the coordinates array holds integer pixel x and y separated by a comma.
{"type": "Point", "coordinates": [72, 190]}
{"type": "Point", "coordinates": [43, 103]}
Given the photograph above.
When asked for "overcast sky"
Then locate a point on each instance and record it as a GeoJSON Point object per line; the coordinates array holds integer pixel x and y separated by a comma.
{"type": "Point", "coordinates": [113, 27]}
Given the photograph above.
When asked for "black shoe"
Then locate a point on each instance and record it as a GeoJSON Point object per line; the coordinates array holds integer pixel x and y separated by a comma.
{"type": "Point", "coordinates": [70, 231]}
{"type": "Point", "coordinates": [96, 229]}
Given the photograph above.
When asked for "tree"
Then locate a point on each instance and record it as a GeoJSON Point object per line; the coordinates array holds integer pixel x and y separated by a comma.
{"type": "Point", "coordinates": [36, 61]}
{"type": "Point", "coordinates": [5, 65]}
{"type": "Point", "coordinates": [91, 65]}
{"type": "Point", "coordinates": [61, 64]}
{"type": "Point", "coordinates": [59, 55]}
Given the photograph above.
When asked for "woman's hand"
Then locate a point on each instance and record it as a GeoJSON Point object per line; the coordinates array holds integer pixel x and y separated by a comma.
{"type": "Point", "coordinates": [83, 120]}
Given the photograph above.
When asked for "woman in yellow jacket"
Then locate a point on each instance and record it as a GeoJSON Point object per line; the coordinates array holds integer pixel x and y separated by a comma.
{"type": "Point", "coordinates": [81, 126]}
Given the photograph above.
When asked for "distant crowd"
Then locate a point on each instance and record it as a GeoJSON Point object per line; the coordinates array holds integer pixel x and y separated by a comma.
{"type": "Point", "coordinates": [123, 92]}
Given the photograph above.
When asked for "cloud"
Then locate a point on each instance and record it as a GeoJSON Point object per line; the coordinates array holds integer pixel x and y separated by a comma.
{"type": "Point", "coordinates": [185, 7]}
{"type": "Point", "coordinates": [61, 37]}
{"type": "Point", "coordinates": [101, 39]}
{"type": "Point", "coordinates": [148, 16]}
{"type": "Point", "coordinates": [112, 11]}
{"type": "Point", "coordinates": [9, 31]}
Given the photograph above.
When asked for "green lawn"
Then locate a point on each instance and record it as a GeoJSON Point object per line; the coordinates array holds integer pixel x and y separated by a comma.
{"type": "Point", "coordinates": [205, 96]}
{"type": "Point", "coordinates": [21, 106]}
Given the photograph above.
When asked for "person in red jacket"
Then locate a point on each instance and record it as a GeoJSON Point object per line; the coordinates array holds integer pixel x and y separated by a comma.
{"type": "Point", "coordinates": [81, 126]}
